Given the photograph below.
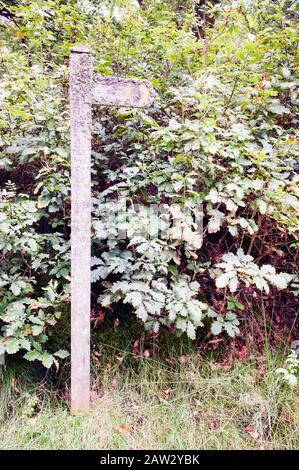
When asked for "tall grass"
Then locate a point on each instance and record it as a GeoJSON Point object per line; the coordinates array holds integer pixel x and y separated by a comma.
{"type": "Point", "coordinates": [173, 400]}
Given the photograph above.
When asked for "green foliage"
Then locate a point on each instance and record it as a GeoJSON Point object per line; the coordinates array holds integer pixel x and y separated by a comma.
{"type": "Point", "coordinates": [222, 133]}
{"type": "Point", "coordinates": [289, 373]}
{"type": "Point", "coordinates": [229, 323]}
{"type": "Point", "coordinates": [240, 267]}
{"type": "Point", "coordinates": [35, 268]}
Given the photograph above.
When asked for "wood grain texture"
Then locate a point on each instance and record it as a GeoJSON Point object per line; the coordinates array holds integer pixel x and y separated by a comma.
{"type": "Point", "coordinates": [115, 91]}
{"type": "Point", "coordinates": [80, 114]}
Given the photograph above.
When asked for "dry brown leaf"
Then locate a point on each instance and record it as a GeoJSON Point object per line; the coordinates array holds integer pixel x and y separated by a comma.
{"type": "Point", "coordinates": [177, 258]}
{"type": "Point", "coordinates": [124, 429]}
{"type": "Point", "coordinates": [14, 385]}
{"type": "Point", "coordinates": [184, 359]}
{"type": "Point", "coordinates": [114, 382]}
{"type": "Point", "coordinates": [252, 432]}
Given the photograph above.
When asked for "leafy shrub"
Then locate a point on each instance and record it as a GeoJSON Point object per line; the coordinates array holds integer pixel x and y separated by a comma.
{"type": "Point", "coordinates": [219, 145]}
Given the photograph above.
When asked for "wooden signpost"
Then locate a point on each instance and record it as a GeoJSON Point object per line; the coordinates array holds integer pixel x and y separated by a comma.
{"type": "Point", "coordinates": [85, 90]}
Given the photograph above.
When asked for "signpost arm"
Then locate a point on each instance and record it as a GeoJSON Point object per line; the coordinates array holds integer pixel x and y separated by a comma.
{"type": "Point", "coordinates": [81, 77]}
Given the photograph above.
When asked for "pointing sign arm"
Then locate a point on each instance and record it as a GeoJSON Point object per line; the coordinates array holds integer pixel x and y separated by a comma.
{"type": "Point", "coordinates": [115, 91]}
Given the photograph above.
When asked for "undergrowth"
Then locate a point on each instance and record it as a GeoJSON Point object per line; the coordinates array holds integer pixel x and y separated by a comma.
{"type": "Point", "coordinates": [143, 398]}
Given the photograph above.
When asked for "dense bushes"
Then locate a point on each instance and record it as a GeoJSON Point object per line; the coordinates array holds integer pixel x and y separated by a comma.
{"type": "Point", "coordinates": [221, 139]}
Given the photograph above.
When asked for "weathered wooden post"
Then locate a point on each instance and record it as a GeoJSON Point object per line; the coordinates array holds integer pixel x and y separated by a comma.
{"type": "Point", "coordinates": [81, 76]}
{"type": "Point", "coordinates": [85, 90]}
